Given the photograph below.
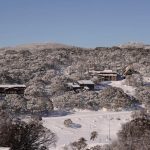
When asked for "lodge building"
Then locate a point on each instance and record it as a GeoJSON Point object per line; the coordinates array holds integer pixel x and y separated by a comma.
{"type": "Point", "coordinates": [12, 89]}
{"type": "Point", "coordinates": [80, 84]}
{"type": "Point", "coordinates": [105, 75]}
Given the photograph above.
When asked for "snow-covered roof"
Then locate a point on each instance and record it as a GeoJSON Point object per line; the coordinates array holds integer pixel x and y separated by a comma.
{"type": "Point", "coordinates": [12, 86]}
{"type": "Point", "coordinates": [103, 72]}
{"type": "Point", "coordinates": [4, 148]}
{"type": "Point", "coordinates": [107, 70]}
{"type": "Point", "coordinates": [108, 74]}
{"type": "Point", "coordinates": [85, 82]}
{"type": "Point", "coordinates": [75, 85]}
{"type": "Point", "coordinates": [86, 88]}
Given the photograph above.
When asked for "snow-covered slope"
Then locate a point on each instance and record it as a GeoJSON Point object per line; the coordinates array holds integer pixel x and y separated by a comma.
{"type": "Point", "coordinates": [85, 123]}
{"type": "Point", "coordinates": [130, 90]}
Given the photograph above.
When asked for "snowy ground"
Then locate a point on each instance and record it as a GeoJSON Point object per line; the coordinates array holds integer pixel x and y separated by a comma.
{"type": "Point", "coordinates": [130, 90]}
{"type": "Point", "coordinates": [89, 121]}
{"type": "Point", "coordinates": [146, 81]}
{"type": "Point", "coordinates": [4, 148]}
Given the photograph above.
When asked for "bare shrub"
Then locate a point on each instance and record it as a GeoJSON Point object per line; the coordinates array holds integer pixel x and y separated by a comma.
{"type": "Point", "coordinates": [134, 80]}
{"type": "Point", "coordinates": [97, 147]}
{"type": "Point", "coordinates": [19, 135]}
{"type": "Point", "coordinates": [135, 134]}
{"type": "Point", "coordinates": [94, 135]}
{"type": "Point", "coordinates": [79, 145]}
{"type": "Point", "coordinates": [118, 118]}
{"type": "Point", "coordinates": [110, 98]}
{"type": "Point", "coordinates": [68, 122]}
{"type": "Point", "coordinates": [115, 98]}
{"type": "Point", "coordinates": [139, 114]}
{"type": "Point", "coordinates": [143, 95]}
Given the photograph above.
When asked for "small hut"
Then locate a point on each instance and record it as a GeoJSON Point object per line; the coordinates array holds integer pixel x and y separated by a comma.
{"type": "Point", "coordinates": [87, 84]}
{"type": "Point", "coordinates": [72, 86]}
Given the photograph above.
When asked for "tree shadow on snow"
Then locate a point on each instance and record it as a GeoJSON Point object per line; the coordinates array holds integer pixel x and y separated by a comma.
{"type": "Point", "coordinates": [102, 85]}
{"type": "Point", "coordinates": [75, 125]}
{"type": "Point", "coordinates": [59, 113]}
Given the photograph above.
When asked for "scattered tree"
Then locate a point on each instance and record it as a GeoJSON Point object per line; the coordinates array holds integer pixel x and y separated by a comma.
{"type": "Point", "coordinates": [20, 135]}
{"type": "Point", "coordinates": [68, 122]}
{"type": "Point", "coordinates": [80, 144]}
{"type": "Point", "coordinates": [94, 135]}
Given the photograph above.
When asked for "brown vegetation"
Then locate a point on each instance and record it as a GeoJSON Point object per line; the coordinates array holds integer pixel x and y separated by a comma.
{"type": "Point", "coordinates": [19, 135]}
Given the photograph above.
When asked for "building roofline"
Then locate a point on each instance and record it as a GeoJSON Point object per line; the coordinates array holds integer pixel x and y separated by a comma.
{"type": "Point", "coordinates": [12, 86]}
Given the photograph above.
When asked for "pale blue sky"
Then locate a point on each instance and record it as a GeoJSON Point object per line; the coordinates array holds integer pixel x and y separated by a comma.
{"type": "Point", "coordinates": [86, 23]}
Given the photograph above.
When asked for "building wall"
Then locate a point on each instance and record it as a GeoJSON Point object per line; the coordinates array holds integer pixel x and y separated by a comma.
{"type": "Point", "coordinates": [12, 91]}
{"type": "Point", "coordinates": [90, 86]}
{"type": "Point", "coordinates": [107, 78]}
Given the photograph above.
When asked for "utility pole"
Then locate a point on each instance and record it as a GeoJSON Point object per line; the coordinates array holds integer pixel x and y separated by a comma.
{"type": "Point", "coordinates": [109, 130]}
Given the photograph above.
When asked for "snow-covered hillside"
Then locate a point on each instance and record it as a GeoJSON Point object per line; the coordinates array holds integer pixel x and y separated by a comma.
{"type": "Point", "coordinates": [130, 90]}
{"type": "Point", "coordinates": [86, 122]}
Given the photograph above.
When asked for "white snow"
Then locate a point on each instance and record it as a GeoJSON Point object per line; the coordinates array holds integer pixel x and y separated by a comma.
{"type": "Point", "coordinates": [85, 82]}
{"type": "Point", "coordinates": [146, 81]}
{"type": "Point", "coordinates": [89, 121]}
{"type": "Point", "coordinates": [86, 121]}
{"type": "Point", "coordinates": [130, 90]}
{"type": "Point", "coordinates": [12, 86]}
{"type": "Point", "coordinates": [4, 148]}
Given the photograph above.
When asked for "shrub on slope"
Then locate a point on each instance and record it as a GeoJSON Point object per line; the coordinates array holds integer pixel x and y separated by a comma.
{"type": "Point", "coordinates": [114, 98]}
{"type": "Point", "coordinates": [110, 98]}
{"type": "Point", "coordinates": [143, 95]}
{"type": "Point", "coordinates": [20, 135]}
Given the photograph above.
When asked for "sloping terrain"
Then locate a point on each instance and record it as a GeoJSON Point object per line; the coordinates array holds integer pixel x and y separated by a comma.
{"type": "Point", "coordinates": [43, 69]}
{"type": "Point", "coordinates": [89, 121]}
